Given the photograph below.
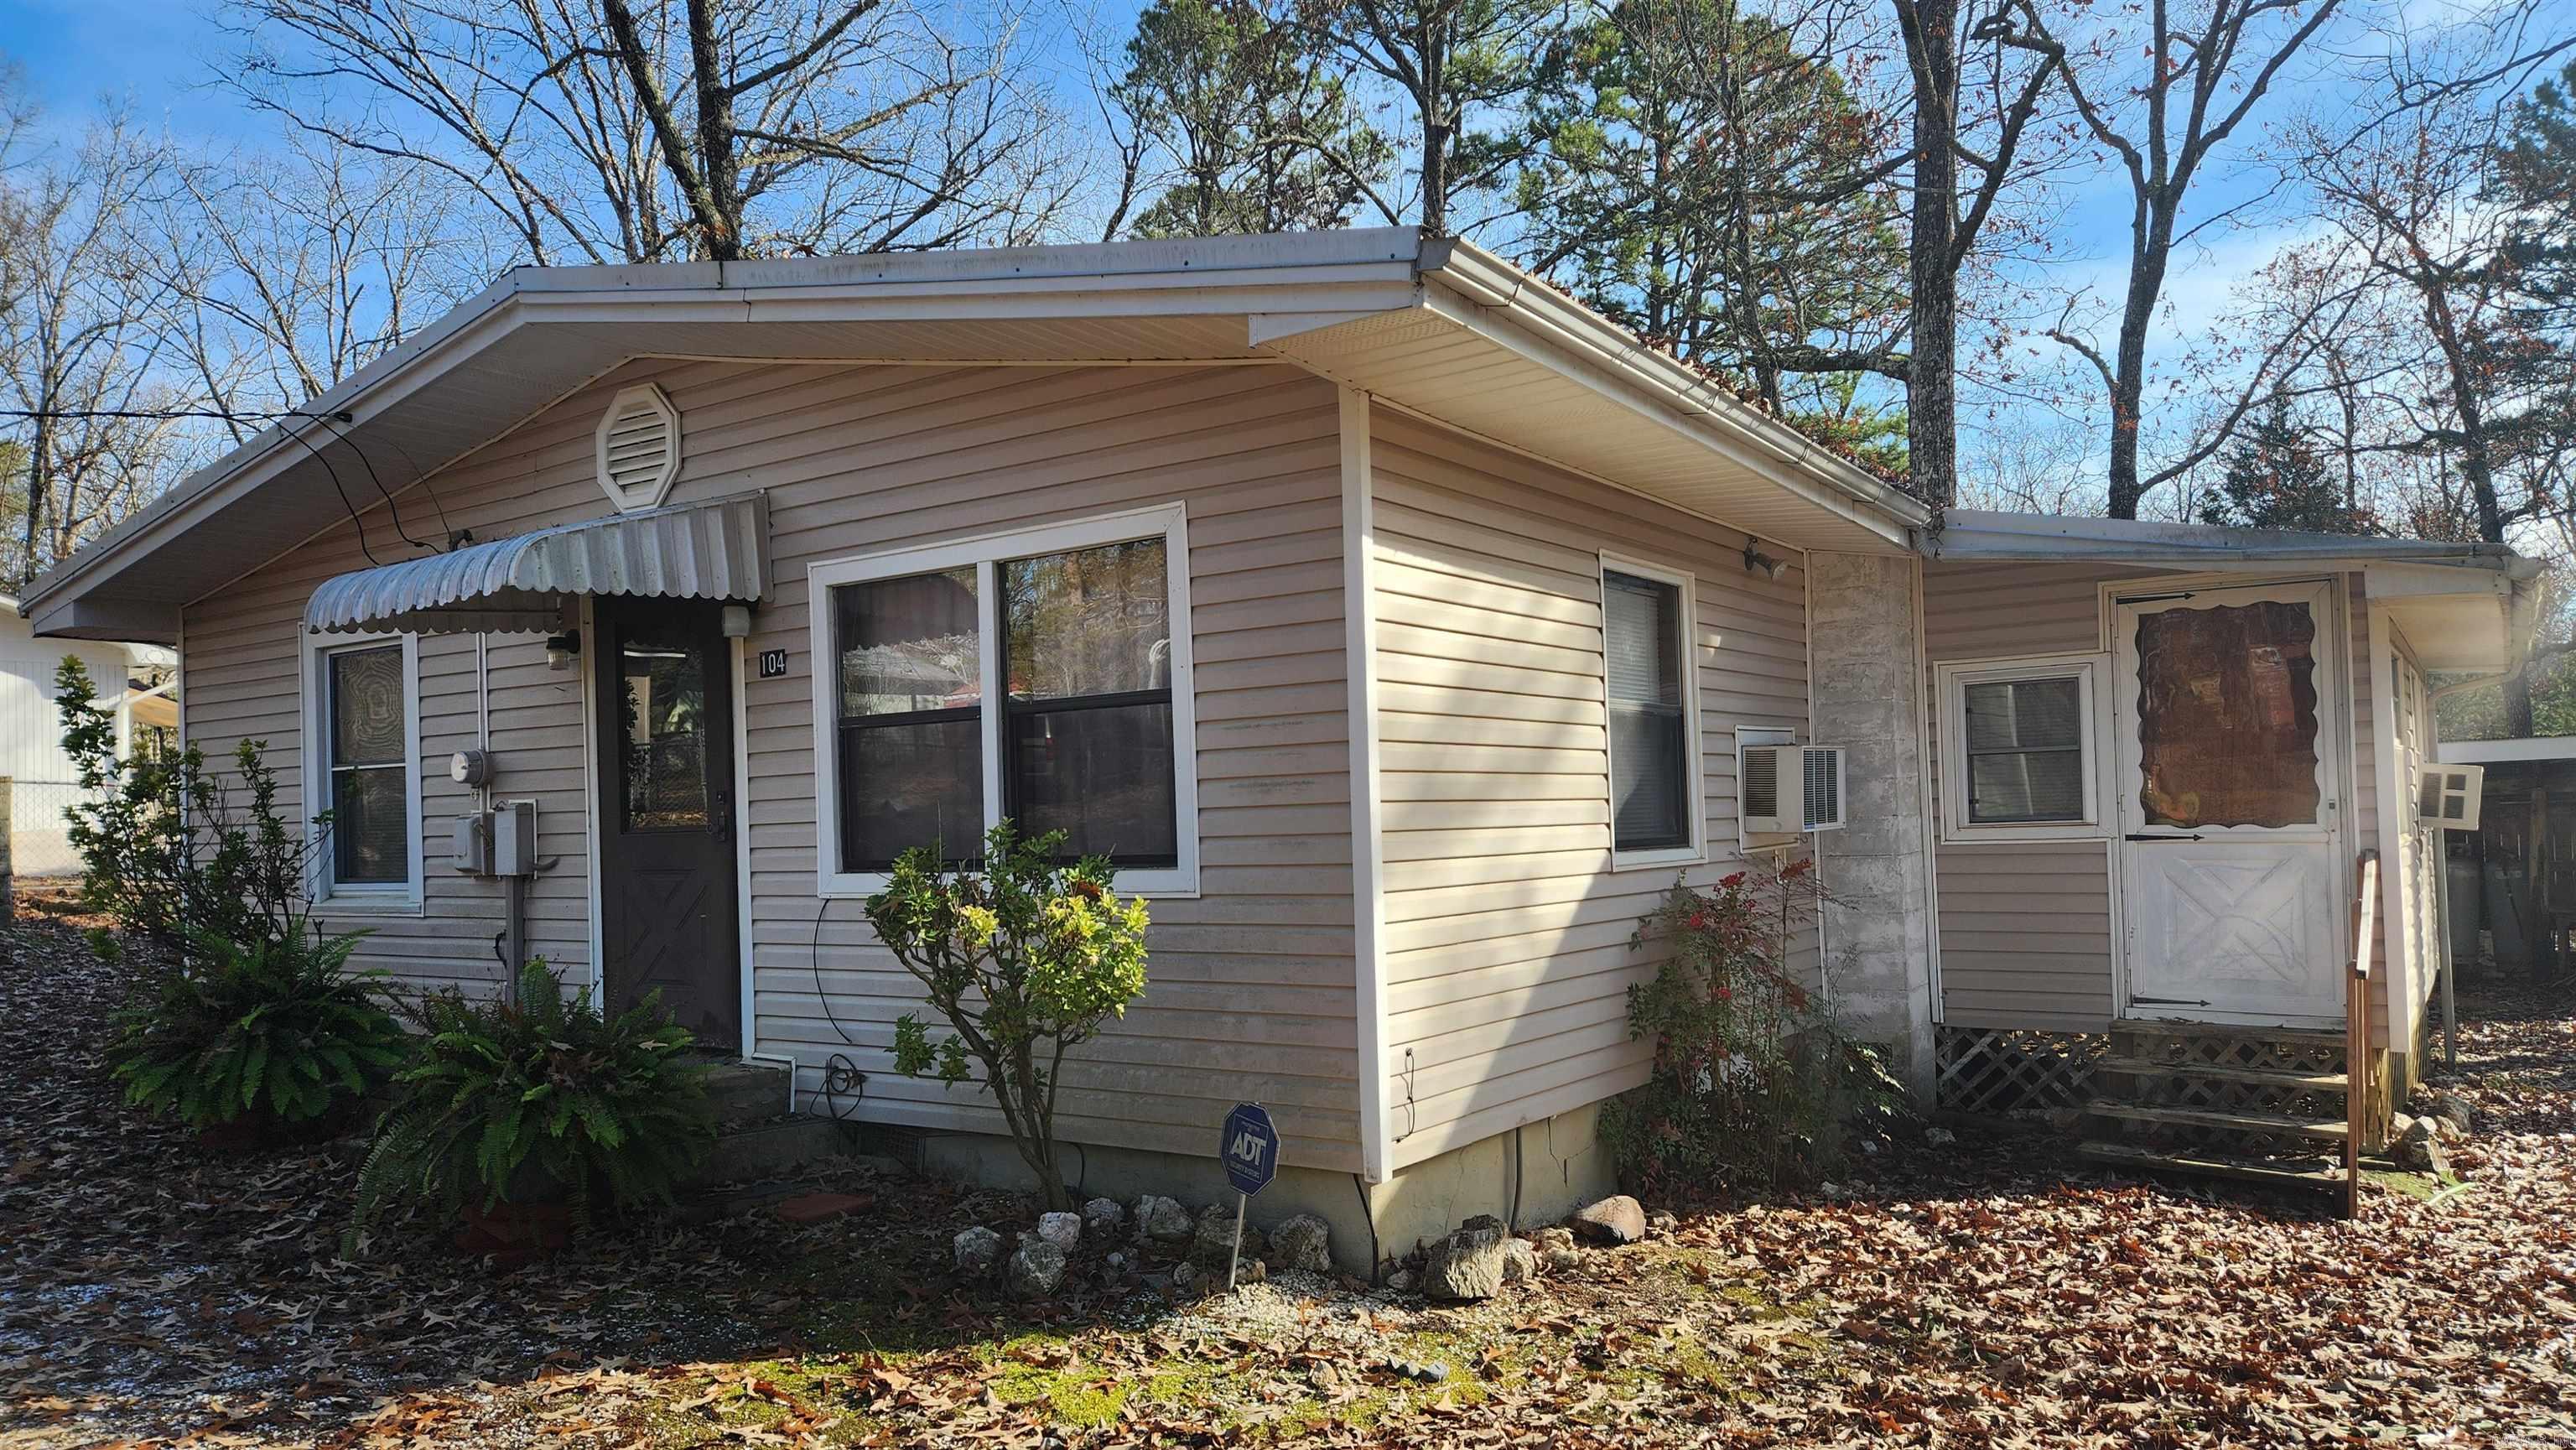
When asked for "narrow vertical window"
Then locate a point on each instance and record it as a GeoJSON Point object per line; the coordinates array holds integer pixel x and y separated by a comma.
{"type": "Point", "coordinates": [911, 764]}
{"type": "Point", "coordinates": [1650, 777]}
{"type": "Point", "coordinates": [369, 753]}
{"type": "Point", "coordinates": [1088, 725]}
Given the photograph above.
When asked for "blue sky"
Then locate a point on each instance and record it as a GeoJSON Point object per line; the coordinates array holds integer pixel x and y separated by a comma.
{"type": "Point", "coordinates": [161, 59]}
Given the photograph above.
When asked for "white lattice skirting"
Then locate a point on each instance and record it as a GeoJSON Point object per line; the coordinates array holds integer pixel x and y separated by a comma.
{"type": "Point", "coordinates": [1996, 1070]}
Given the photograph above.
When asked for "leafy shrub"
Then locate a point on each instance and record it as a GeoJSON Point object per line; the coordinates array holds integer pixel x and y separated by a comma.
{"type": "Point", "coordinates": [1026, 958]}
{"type": "Point", "coordinates": [536, 1100]}
{"type": "Point", "coordinates": [275, 1029]}
{"type": "Point", "coordinates": [1754, 1087]}
{"type": "Point", "coordinates": [174, 850]}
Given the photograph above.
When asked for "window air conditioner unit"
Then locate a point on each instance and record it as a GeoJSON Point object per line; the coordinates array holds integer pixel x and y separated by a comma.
{"type": "Point", "coordinates": [2448, 796]}
{"type": "Point", "coordinates": [1784, 789]}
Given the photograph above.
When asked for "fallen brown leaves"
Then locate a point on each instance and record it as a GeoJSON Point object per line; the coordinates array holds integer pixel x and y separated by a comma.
{"type": "Point", "coordinates": [152, 1292]}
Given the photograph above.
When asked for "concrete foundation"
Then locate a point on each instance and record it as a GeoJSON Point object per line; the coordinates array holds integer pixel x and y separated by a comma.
{"type": "Point", "coordinates": [1867, 684]}
{"type": "Point", "coordinates": [1556, 1165]}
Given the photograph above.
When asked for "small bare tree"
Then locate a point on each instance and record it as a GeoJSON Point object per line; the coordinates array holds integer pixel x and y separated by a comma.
{"type": "Point", "coordinates": [2200, 73]}
{"type": "Point", "coordinates": [288, 270]}
{"type": "Point", "coordinates": [1456, 63]}
{"type": "Point", "coordinates": [81, 346]}
{"type": "Point", "coordinates": [644, 130]}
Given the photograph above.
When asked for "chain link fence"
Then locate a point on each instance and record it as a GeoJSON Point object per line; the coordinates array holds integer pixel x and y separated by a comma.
{"type": "Point", "coordinates": [39, 831]}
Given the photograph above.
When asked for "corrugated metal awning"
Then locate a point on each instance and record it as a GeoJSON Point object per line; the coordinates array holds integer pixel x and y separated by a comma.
{"type": "Point", "coordinates": [520, 585]}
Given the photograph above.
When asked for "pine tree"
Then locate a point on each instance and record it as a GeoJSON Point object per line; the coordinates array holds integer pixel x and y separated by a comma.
{"type": "Point", "coordinates": [2277, 478]}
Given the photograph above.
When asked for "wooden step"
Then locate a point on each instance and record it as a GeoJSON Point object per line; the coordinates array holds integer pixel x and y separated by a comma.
{"type": "Point", "coordinates": [2294, 1172]}
{"type": "Point", "coordinates": [2325, 1082]}
{"type": "Point", "coordinates": [2269, 1124]}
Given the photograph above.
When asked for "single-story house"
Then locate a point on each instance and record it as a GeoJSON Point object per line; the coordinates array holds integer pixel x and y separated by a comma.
{"type": "Point", "coordinates": [41, 777]}
{"type": "Point", "coordinates": [1401, 628]}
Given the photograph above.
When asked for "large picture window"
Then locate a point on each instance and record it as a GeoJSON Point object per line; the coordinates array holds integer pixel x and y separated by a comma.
{"type": "Point", "coordinates": [2017, 756]}
{"type": "Point", "coordinates": [363, 769]}
{"type": "Point", "coordinates": [1039, 676]}
{"type": "Point", "coordinates": [1654, 775]}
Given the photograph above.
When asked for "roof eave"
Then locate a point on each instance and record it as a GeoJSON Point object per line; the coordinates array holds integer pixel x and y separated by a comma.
{"type": "Point", "coordinates": [1662, 382]}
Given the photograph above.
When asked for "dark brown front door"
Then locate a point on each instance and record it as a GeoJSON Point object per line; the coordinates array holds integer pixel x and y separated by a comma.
{"type": "Point", "coordinates": [666, 830]}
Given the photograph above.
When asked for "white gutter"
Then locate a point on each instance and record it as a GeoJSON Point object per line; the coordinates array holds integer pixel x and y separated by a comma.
{"type": "Point", "coordinates": [1494, 284]}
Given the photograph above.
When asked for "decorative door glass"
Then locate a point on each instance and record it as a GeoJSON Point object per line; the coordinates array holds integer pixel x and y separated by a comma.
{"type": "Point", "coordinates": [664, 734]}
{"type": "Point", "coordinates": [2227, 716]}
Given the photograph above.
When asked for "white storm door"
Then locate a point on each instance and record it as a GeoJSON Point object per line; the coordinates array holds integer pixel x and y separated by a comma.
{"type": "Point", "coordinates": [2228, 708]}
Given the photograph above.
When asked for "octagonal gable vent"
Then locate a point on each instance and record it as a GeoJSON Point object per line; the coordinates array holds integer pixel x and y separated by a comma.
{"type": "Point", "coordinates": [639, 447]}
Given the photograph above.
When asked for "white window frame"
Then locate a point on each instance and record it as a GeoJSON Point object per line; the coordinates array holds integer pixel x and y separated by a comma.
{"type": "Point", "coordinates": [1694, 750]}
{"type": "Point", "coordinates": [2091, 672]}
{"type": "Point", "coordinates": [985, 553]}
{"type": "Point", "coordinates": [392, 898]}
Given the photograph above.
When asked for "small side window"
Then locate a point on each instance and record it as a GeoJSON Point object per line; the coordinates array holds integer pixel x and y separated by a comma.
{"type": "Point", "coordinates": [2025, 741]}
{"type": "Point", "coordinates": [1654, 805]}
{"type": "Point", "coordinates": [2018, 747]}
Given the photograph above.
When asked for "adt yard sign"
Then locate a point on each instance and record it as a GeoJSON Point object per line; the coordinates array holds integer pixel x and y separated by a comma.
{"type": "Point", "coordinates": [1251, 1149]}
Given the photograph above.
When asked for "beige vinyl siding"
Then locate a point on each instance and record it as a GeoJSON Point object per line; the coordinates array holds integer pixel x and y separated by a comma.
{"type": "Point", "coordinates": [2002, 611]}
{"type": "Point", "coordinates": [2024, 927]}
{"type": "Point", "coordinates": [1251, 984]}
{"type": "Point", "coordinates": [2026, 935]}
{"type": "Point", "coordinates": [1251, 993]}
{"type": "Point", "coordinates": [1506, 939]}
{"type": "Point", "coordinates": [242, 661]}
{"type": "Point", "coordinates": [2004, 960]}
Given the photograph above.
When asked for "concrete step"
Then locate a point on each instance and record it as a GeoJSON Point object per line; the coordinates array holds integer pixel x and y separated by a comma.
{"type": "Point", "coordinates": [2284, 1172]}
{"type": "Point", "coordinates": [746, 1093]}
{"type": "Point", "coordinates": [783, 1148]}
{"type": "Point", "coordinates": [2324, 1082]}
{"type": "Point", "coordinates": [2272, 1125]}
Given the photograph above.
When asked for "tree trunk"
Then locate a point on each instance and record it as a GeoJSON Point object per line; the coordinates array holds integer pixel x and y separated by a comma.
{"type": "Point", "coordinates": [38, 447]}
{"type": "Point", "coordinates": [715, 135]}
{"type": "Point", "coordinates": [2151, 254]}
{"type": "Point", "coordinates": [1931, 398]}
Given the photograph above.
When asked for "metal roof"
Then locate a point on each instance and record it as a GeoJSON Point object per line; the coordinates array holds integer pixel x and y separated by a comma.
{"type": "Point", "coordinates": [1517, 364]}
{"type": "Point", "coordinates": [713, 550]}
{"type": "Point", "coordinates": [1971, 534]}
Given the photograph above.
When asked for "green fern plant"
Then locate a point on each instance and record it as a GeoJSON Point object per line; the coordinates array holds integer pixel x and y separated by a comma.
{"type": "Point", "coordinates": [276, 1029]}
{"type": "Point", "coordinates": [538, 1100]}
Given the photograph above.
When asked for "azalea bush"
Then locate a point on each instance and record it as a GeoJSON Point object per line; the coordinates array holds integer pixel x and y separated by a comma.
{"type": "Point", "coordinates": [272, 1033]}
{"type": "Point", "coordinates": [1025, 958]}
{"type": "Point", "coordinates": [1755, 1087]}
{"type": "Point", "coordinates": [540, 1100]}
{"type": "Point", "coordinates": [175, 850]}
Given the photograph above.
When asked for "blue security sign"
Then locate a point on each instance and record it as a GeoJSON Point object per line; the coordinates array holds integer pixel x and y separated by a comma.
{"type": "Point", "coordinates": [1250, 1148]}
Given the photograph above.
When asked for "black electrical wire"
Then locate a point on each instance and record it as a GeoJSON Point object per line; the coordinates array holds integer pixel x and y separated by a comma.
{"type": "Point", "coordinates": [222, 414]}
{"type": "Point", "coordinates": [1368, 1216]}
{"type": "Point", "coordinates": [359, 523]}
{"type": "Point", "coordinates": [840, 1075]}
{"type": "Point", "coordinates": [372, 477]}
{"type": "Point", "coordinates": [420, 476]}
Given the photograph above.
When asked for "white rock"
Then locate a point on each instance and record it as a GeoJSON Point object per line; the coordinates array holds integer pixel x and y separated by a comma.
{"type": "Point", "coordinates": [1302, 1244]}
{"type": "Point", "coordinates": [978, 1249]}
{"type": "Point", "coordinates": [1037, 1268]}
{"type": "Point", "coordinates": [1104, 1216]}
{"type": "Point", "coordinates": [1063, 1230]}
{"type": "Point", "coordinates": [1939, 1137]}
{"type": "Point", "coordinates": [1164, 1220]}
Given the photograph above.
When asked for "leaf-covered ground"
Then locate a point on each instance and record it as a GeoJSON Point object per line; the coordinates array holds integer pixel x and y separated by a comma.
{"type": "Point", "coordinates": [1989, 1293]}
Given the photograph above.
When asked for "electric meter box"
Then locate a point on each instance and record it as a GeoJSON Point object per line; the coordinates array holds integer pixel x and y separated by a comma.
{"type": "Point", "coordinates": [514, 838]}
{"type": "Point", "coordinates": [470, 851]}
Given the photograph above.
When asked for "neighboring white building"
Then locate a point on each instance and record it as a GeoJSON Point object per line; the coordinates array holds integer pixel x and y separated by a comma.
{"type": "Point", "coordinates": [31, 748]}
